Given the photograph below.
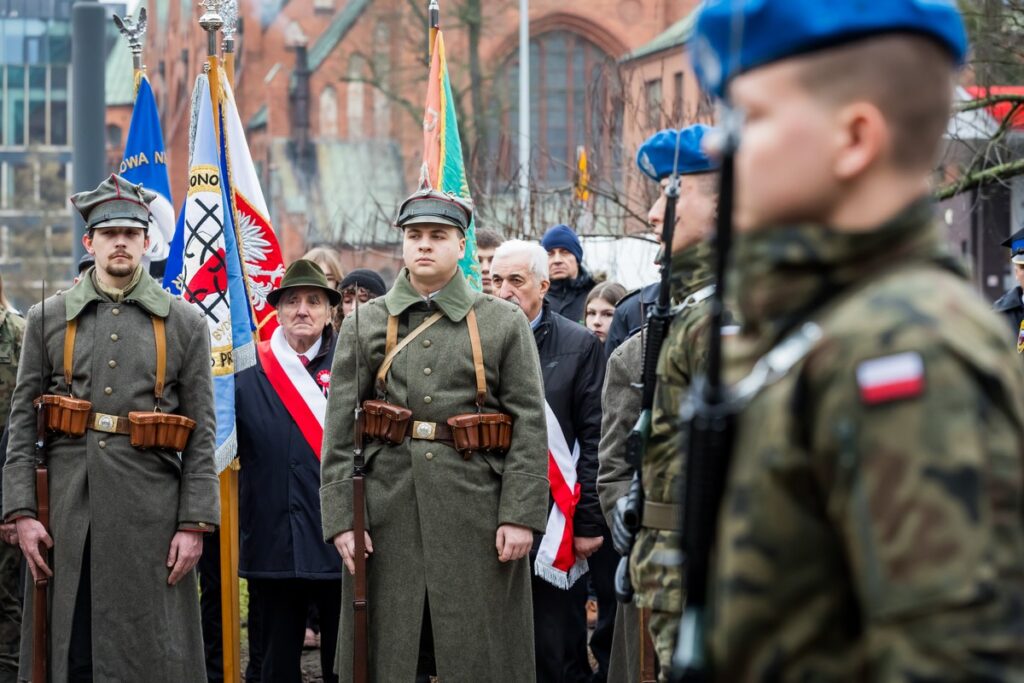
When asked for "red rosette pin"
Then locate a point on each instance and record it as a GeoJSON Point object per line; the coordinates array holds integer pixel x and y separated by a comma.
{"type": "Point", "coordinates": [323, 378]}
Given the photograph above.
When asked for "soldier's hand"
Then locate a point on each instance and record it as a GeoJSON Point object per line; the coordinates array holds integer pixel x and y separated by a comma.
{"type": "Point", "coordinates": [186, 549]}
{"type": "Point", "coordinates": [622, 539]}
{"type": "Point", "coordinates": [585, 546]}
{"type": "Point", "coordinates": [32, 534]}
{"type": "Point", "coordinates": [9, 533]}
{"type": "Point", "coordinates": [513, 542]}
{"type": "Point", "coordinates": [345, 544]}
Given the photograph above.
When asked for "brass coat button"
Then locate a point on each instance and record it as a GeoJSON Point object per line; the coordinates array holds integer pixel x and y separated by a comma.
{"type": "Point", "coordinates": [426, 343]}
{"type": "Point", "coordinates": [108, 391]}
{"type": "Point", "coordinates": [112, 363]}
{"type": "Point", "coordinates": [427, 371]}
{"type": "Point", "coordinates": [429, 455]}
{"type": "Point", "coordinates": [427, 399]}
{"type": "Point", "coordinates": [102, 444]}
{"type": "Point", "coordinates": [113, 337]}
{"type": "Point", "coordinates": [116, 311]}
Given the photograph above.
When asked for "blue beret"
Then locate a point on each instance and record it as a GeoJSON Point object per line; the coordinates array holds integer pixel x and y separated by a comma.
{"type": "Point", "coordinates": [658, 153]}
{"type": "Point", "coordinates": [777, 29]}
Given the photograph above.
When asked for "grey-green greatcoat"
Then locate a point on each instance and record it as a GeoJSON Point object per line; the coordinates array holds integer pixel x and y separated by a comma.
{"type": "Point", "coordinates": [621, 401]}
{"type": "Point", "coordinates": [129, 501]}
{"type": "Point", "coordinates": [431, 515]}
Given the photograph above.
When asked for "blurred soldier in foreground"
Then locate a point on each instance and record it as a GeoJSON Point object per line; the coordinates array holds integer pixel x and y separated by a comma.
{"type": "Point", "coordinates": [456, 465]}
{"type": "Point", "coordinates": [871, 526]}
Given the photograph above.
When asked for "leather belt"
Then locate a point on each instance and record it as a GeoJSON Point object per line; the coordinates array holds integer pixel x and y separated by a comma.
{"type": "Point", "coordinates": [111, 424]}
{"type": "Point", "coordinates": [430, 431]}
{"type": "Point", "coordinates": [662, 516]}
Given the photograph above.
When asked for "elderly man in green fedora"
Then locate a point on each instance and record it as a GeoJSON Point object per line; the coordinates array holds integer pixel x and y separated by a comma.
{"type": "Point", "coordinates": [127, 511]}
{"type": "Point", "coordinates": [443, 520]}
{"type": "Point", "coordinates": [280, 408]}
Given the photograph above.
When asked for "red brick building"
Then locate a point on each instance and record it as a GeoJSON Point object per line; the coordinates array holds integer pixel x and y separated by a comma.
{"type": "Point", "coordinates": [331, 93]}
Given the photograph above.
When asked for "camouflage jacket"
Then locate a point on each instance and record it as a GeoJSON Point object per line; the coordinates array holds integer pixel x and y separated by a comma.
{"type": "Point", "coordinates": [12, 329]}
{"type": "Point", "coordinates": [656, 571]}
{"type": "Point", "coordinates": [871, 528]}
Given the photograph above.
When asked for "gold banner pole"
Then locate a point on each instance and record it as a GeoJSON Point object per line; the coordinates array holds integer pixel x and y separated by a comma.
{"type": "Point", "coordinates": [211, 22]}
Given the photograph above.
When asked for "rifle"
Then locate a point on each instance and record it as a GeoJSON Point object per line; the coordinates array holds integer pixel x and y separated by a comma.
{"type": "Point", "coordinates": [360, 603]}
{"type": "Point", "coordinates": [658, 321]}
{"type": "Point", "coordinates": [709, 415]}
{"type": "Point", "coordinates": [40, 602]}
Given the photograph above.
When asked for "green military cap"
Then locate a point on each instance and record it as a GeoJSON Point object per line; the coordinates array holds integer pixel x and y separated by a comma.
{"type": "Point", "coordinates": [304, 273]}
{"type": "Point", "coordinates": [115, 203]}
{"type": "Point", "coordinates": [426, 206]}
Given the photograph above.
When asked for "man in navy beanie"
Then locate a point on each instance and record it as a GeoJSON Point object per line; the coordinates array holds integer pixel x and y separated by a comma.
{"type": "Point", "coordinates": [570, 281]}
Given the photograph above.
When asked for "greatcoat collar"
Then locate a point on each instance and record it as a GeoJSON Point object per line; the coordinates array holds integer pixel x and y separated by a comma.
{"type": "Point", "coordinates": [455, 298]}
{"type": "Point", "coordinates": [147, 294]}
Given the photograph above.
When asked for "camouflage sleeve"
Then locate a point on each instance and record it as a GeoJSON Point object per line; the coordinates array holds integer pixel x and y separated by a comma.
{"type": "Point", "coordinates": [19, 496]}
{"type": "Point", "coordinates": [924, 491]}
{"type": "Point", "coordinates": [682, 357]}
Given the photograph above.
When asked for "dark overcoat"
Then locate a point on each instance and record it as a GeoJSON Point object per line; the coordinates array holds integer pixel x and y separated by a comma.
{"type": "Point", "coordinates": [279, 484]}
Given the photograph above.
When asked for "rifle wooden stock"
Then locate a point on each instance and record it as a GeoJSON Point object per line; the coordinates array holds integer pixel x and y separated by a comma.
{"type": "Point", "coordinates": [360, 604]}
{"type": "Point", "coordinates": [40, 602]}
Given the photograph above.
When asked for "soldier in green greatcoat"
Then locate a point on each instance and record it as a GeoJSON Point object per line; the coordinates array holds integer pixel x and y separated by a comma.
{"type": "Point", "coordinates": [447, 536]}
{"type": "Point", "coordinates": [126, 523]}
{"type": "Point", "coordinates": [871, 527]}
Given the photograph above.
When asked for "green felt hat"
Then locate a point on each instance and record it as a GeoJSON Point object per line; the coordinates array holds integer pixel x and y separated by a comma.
{"type": "Point", "coordinates": [304, 273]}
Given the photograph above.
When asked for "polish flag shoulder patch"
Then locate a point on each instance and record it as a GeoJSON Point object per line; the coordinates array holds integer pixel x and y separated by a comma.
{"type": "Point", "coordinates": [891, 378]}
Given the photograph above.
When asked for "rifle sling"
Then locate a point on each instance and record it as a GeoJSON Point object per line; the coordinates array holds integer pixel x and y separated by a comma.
{"type": "Point", "coordinates": [159, 336]}
{"type": "Point", "coordinates": [391, 353]}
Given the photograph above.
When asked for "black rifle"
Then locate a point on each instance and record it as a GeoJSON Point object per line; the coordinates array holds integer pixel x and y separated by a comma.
{"type": "Point", "coordinates": [658, 320]}
{"type": "Point", "coordinates": [709, 426]}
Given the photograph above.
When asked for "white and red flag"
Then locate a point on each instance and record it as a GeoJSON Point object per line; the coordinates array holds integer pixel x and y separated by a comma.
{"type": "Point", "coordinates": [556, 560]}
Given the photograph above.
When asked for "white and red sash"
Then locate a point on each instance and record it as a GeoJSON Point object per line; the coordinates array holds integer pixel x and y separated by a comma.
{"type": "Point", "coordinates": [300, 393]}
{"type": "Point", "coordinates": [556, 560]}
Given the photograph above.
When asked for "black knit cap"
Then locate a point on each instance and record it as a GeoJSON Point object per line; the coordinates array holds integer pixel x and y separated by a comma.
{"type": "Point", "coordinates": [366, 279]}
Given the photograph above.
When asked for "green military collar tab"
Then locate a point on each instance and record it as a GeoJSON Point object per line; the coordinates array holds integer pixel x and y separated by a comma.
{"type": "Point", "coordinates": [147, 294]}
{"type": "Point", "coordinates": [455, 299]}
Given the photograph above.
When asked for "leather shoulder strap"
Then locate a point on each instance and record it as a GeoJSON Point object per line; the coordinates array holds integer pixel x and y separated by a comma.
{"type": "Point", "coordinates": [392, 337]}
{"type": "Point", "coordinates": [159, 334]}
{"type": "Point", "coordinates": [69, 351]}
{"type": "Point", "coordinates": [478, 358]}
{"type": "Point", "coordinates": [389, 358]}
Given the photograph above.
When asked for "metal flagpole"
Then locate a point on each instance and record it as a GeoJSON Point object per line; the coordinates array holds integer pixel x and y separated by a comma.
{"type": "Point", "coordinates": [229, 10]}
{"type": "Point", "coordinates": [230, 601]}
{"type": "Point", "coordinates": [524, 114]}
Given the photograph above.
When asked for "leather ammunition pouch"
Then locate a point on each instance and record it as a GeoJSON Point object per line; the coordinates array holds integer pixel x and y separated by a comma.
{"type": "Point", "coordinates": [159, 430]}
{"type": "Point", "coordinates": [385, 421]}
{"type": "Point", "coordinates": [486, 432]}
{"type": "Point", "coordinates": [73, 416]}
{"type": "Point", "coordinates": [65, 414]}
{"type": "Point", "coordinates": [479, 431]}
